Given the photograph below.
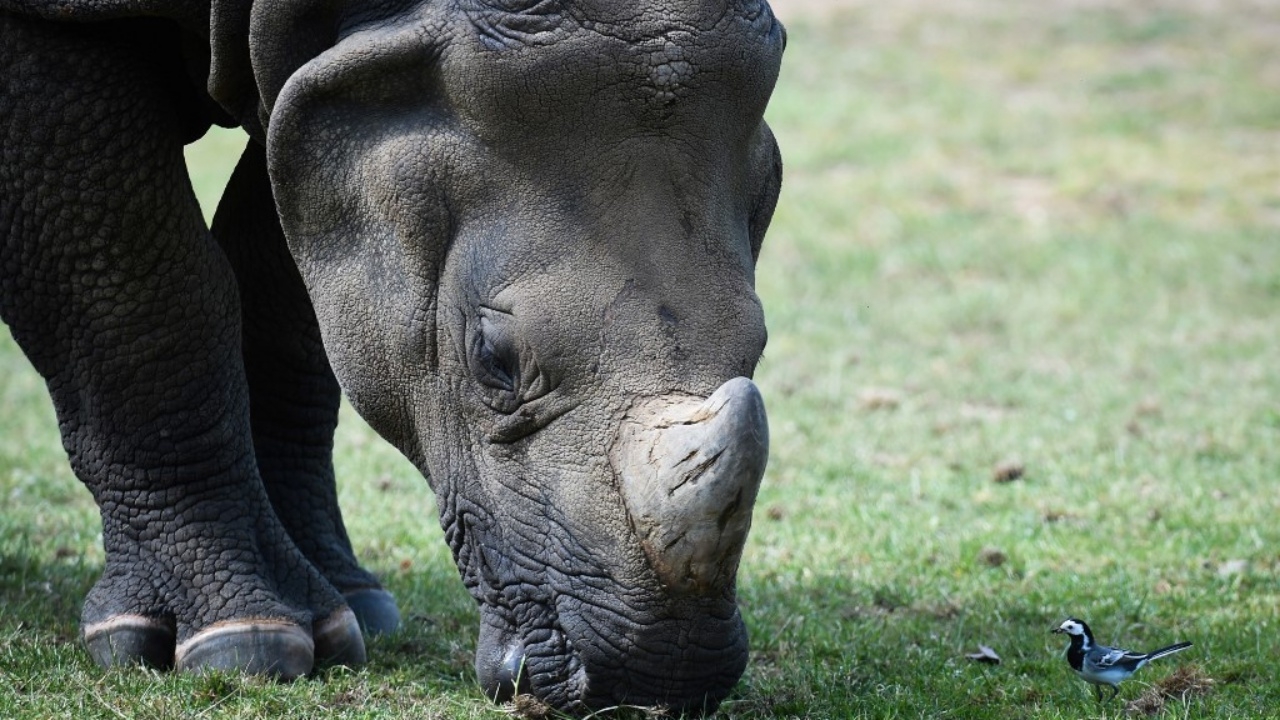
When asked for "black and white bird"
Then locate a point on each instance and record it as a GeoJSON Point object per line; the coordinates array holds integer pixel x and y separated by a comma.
{"type": "Point", "coordinates": [1102, 665]}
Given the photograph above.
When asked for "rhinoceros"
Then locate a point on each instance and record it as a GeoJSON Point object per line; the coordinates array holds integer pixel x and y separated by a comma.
{"type": "Point", "coordinates": [520, 236]}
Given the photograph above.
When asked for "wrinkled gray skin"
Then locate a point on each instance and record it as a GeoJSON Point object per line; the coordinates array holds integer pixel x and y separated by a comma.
{"type": "Point", "coordinates": [520, 235]}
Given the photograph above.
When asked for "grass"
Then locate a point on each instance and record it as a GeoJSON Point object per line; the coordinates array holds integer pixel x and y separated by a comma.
{"type": "Point", "coordinates": [1043, 236]}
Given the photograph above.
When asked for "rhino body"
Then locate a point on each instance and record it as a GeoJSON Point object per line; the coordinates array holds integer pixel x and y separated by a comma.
{"type": "Point", "coordinates": [519, 235]}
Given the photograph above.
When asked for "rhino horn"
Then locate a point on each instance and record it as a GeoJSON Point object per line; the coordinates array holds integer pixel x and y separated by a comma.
{"type": "Point", "coordinates": [689, 469]}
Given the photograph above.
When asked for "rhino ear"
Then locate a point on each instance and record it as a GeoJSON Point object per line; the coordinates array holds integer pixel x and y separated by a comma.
{"type": "Point", "coordinates": [255, 47]}
{"type": "Point", "coordinates": [284, 35]}
{"type": "Point", "coordinates": [349, 144]}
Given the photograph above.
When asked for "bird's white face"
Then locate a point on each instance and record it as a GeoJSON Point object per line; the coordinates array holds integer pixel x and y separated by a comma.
{"type": "Point", "coordinates": [1071, 627]}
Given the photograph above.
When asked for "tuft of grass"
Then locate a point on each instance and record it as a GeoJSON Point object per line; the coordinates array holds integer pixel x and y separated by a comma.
{"type": "Point", "coordinates": [1042, 237]}
{"type": "Point", "coordinates": [1183, 686]}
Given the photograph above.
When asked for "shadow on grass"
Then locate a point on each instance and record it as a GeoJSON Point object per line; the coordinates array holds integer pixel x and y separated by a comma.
{"type": "Point", "coordinates": [825, 645]}
{"type": "Point", "coordinates": [439, 622]}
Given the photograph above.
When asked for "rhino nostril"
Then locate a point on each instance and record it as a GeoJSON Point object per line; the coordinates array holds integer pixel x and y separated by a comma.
{"type": "Point", "coordinates": [508, 678]}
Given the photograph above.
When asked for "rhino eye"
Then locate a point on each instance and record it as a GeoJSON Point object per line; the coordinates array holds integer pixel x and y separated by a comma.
{"type": "Point", "coordinates": [508, 376]}
{"type": "Point", "coordinates": [495, 361]}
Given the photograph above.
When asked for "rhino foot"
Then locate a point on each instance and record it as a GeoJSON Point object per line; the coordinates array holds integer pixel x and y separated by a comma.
{"type": "Point", "coordinates": [338, 640]}
{"type": "Point", "coordinates": [131, 640]}
{"type": "Point", "coordinates": [375, 610]}
{"type": "Point", "coordinates": [258, 647]}
{"type": "Point", "coordinates": [247, 601]}
{"type": "Point", "coordinates": [277, 649]}
{"type": "Point", "coordinates": [261, 647]}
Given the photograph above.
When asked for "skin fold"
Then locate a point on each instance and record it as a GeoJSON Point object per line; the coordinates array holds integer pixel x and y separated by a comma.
{"type": "Point", "coordinates": [519, 235]}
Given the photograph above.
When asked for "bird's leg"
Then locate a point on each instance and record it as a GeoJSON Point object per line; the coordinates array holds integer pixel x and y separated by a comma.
{"type": "Point", "coordinates": [1115, 690]}
{"type": "Point", "coordinates": [1097, 692]}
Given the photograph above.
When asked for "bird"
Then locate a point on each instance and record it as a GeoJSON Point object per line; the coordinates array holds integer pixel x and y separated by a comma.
{"type": "Point", "coordinates": [1102, 665]}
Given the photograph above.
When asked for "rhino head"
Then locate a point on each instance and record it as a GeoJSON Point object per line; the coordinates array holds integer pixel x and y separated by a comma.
{"type": "Point", "coordinates": [529, 229]}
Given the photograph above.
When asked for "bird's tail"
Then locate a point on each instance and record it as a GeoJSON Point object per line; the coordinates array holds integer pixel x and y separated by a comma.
{"type": "Point", "coordinates": [1176, 647]}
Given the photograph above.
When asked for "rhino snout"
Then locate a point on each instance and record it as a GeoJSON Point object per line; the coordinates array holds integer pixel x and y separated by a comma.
{"type": "Point", "coordinates": [689, 470]}
{"type": "Point", "coordinates": [500, 665]}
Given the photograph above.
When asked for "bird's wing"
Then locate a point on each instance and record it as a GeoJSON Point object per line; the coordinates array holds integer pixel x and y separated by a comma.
{"type": "Point", "coordinates": [1111, 657]}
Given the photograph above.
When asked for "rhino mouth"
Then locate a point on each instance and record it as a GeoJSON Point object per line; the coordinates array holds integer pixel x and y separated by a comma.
{"type": "Point", "coordinates": [579, 657]}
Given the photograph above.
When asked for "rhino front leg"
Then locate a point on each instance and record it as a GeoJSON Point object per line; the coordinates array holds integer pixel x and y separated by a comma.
{"type": "Point", "coordinates": [116, 292]}
{"type": "Point", "coordinates": [293, 395]}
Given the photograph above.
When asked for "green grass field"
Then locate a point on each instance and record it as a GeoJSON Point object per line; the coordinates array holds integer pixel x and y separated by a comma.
{"type": "Point", "coordinates": [1013, 236]}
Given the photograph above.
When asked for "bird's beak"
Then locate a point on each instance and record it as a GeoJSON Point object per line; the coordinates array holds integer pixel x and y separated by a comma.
{"type": "Point", "coordinates": [1055, 631]}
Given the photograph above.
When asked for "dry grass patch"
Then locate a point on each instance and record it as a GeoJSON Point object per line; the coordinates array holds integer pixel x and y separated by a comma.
{"type": "Point", "coordinates": [1185, 684]}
